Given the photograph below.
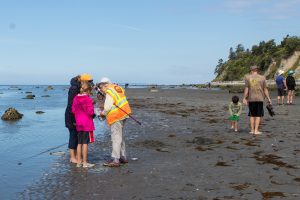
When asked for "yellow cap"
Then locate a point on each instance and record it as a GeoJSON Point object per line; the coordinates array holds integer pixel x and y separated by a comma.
{"type": "Point", "coordinates": [86, 77]}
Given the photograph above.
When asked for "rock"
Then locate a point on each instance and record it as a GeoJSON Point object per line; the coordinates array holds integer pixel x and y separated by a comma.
{"type": "Point", "coordinates": [50, 87]}
{"type": "Point", "coordinates": [11, 114]}
{"type": "Point", "coordinates": [58, 153]}
{"type": "Point", "coordinates": [30, 96]}
{"type": "Point", "coordinates": [153, 89]}
{"type": "Point", "coordinates": [39, 112]}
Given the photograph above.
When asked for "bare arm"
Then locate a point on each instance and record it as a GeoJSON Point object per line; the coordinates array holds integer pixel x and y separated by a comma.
{"type": "Point", "coordinates": [284, 82]}
{"type": "Point", "coordinates": [267, 95]}
{"type": "Point", "coordinates": [240, 110]}
{"type": "Point", "coordinates": [246, 93]}
{"type": "Point", "coordinates": [109, 102]}
{"type": "Point", "coordinates": [230, 109]}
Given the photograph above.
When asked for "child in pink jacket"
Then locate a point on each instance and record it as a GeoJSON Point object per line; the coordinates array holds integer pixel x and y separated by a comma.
{"type": "Point", "coordinates": [83, 110]}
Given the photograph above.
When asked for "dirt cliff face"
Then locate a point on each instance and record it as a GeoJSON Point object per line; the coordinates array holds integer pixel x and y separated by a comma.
{"type": "Point", "coordinates": [291, 63]}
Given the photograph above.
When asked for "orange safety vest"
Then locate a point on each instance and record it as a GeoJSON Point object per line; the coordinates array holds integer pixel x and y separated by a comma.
{"type": "Point", "coordinates": [120, 102]}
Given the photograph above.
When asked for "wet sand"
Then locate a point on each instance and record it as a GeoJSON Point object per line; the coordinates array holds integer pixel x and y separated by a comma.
{"type": "Point", "coordinates": [186, 150]}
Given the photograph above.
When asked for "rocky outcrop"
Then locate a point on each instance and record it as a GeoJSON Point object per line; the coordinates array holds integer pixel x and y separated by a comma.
{"type": "Point", "coordinates": [11, 114]}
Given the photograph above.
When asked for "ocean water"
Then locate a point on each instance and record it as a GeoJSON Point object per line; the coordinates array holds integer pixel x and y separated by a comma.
{"type": "Point", "coordinates": [26, 144]}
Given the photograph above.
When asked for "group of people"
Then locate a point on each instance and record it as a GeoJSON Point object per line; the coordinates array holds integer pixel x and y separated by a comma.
{"type": "Point", "coordinates": [80, 112]}
{"type": "Point", "coordinates": [255, 93]}
{"type": "Point", "coordinates": [285, 87]}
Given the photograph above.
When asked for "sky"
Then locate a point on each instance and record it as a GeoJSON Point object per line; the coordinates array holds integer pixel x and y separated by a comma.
{"type": "Point", "coordinates": [133, 41]}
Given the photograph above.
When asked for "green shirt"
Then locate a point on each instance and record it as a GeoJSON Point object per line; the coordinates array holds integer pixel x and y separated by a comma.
{"type": "Point", "coordinates": [235, 109]}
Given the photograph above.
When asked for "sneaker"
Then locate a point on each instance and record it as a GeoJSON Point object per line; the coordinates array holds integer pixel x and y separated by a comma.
{"type": "Point", "coordinates": [88, 165]}
{"type": "Point", "coordinates": [111, 163]}
{"type": "Point", "coordinates": [123, 160]}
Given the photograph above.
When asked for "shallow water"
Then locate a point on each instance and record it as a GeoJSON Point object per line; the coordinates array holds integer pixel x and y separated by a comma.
{"type": "Point", "coordinates": [26, 144]}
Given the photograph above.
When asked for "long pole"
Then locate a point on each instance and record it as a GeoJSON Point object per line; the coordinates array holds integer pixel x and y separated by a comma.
{"type": "Point", "coordinates": [99, 92]}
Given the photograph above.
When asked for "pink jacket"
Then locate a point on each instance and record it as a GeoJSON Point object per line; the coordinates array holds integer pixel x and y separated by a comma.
{"type": "Point", "coordinates": [83, 110]}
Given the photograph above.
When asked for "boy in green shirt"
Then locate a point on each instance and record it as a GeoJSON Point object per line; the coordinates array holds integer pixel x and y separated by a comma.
{"type": "Point", "coordinates": [235, 109]}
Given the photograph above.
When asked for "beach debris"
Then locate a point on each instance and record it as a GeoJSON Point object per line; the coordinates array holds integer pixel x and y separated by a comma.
{"type": "Point", "coordinates": [30, 96]}
{"type": "Point", "coordinates": [11, 114]}
{"type": "Point", "coordinates": [134, 159]}
{"type": "Point", "coordinates": [28, 92]}
{"type": "Point", "coordinates": [39, 112]}
{"type": "Point", "coordinates": [57, 153]}
{"type": "Point", "coordinates": [45, 96]}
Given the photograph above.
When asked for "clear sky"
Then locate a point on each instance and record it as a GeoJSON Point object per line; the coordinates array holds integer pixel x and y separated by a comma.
{"type": "Point", "coordinates": [135, 41]}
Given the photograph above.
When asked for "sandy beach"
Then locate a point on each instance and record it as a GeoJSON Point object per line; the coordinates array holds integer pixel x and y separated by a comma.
{"type": "Point", "coordinates": [186, 150]}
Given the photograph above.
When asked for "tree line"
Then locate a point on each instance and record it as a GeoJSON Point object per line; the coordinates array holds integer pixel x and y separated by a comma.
{"type": "Point", "coordinates": [262, 55]}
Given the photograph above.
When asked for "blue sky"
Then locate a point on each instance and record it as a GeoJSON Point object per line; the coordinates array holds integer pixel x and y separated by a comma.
{"type": "Point", "coordinates": [137, 41]}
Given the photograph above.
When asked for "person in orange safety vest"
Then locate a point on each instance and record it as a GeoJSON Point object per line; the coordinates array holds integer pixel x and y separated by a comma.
{"type": "Point", "coordinates": [116, 110]}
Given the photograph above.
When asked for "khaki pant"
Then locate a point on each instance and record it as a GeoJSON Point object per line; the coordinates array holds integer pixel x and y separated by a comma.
{"type": "Point", "coordinates": [118, 142]}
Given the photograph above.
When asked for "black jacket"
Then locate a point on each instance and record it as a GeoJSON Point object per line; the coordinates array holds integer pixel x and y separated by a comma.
{"type": "Point", "coordinates": [73, 91]}
{"type": "Point", "coordinates": [290, 81]}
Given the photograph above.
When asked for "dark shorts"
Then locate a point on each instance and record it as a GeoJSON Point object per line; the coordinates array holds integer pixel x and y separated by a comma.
{"type": "Point", "coordinates": [73, 139]}
{"type": "Point", "coordinates": [291, 87]}
{"type": "Point", "coordinates": [281, 92]}
{"type": "Point", "coordinates": [256, 109]}
{"type": "Point", "coordinates": [83, 137]}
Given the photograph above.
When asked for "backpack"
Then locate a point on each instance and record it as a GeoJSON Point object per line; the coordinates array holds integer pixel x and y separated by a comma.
{"type": "Point", "coordinates": [290, 81]}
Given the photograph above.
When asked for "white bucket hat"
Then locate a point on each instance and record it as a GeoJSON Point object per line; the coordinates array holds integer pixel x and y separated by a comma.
{"type": "Point", "coordinates": [280, 72]}
{"type": "Point", "coordinates": [105, 80]}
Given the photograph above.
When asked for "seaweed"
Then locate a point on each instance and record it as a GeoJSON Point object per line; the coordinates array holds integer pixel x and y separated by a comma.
{"type": "Point", "coordinates": [200, 148]}
{"type": "Point", "coordinates": [268, 195]}
{"type": "Point", "coordinates": [297, 179]}
{"type": "Point", "coordinates": [222, 163]}
{"type": "Point", "coordinates": [230, 147]}
{"type": "Point", "coordinates": [241, 186]}
{"type": "Point", "coordinates": [271, 159]}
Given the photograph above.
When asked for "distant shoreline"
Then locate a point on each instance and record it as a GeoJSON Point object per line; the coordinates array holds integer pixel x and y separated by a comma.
{"type": "Point", "coordinates": [241, 83]}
